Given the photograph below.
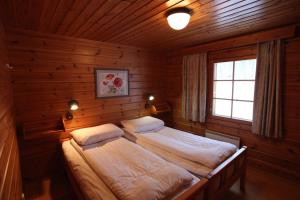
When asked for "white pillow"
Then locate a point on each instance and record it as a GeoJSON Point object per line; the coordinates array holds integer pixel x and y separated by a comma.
{"type": "Point", "coordinates": [143, 124]}
{"type": "Point", "coordinates": [91, 135]}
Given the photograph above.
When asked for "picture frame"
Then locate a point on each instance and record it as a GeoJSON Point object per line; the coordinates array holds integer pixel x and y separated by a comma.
{"type": "Point", "coordinates": [111, 82]}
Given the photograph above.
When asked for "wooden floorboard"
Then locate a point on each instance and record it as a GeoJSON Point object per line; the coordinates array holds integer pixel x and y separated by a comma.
{"type": "Point", "coordinates": [263, 185]}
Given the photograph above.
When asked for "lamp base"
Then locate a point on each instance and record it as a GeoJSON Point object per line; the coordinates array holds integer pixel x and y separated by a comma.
{"type": "Point", "coordinates": [69, 115]}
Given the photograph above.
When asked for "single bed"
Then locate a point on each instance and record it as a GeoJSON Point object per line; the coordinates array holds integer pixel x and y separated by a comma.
{"type": "Point", "coordinates": [115, 168]}
{"type": "Point", "coordinates": [222, 163]}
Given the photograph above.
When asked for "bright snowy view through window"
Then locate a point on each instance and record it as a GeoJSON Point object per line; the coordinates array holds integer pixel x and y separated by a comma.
{"type": "Point", "coordinates": [233, 90]}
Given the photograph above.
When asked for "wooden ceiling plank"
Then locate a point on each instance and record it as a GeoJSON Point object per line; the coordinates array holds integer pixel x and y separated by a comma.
{"type": "Point", "coordinates": [90, 23]}
{"type": "Point", "coordinates": [181, 34]}
{"type": "Point", "coordinates": [8, 13]}
{"type": "Point", "coordinates": [22, 10]}
{"type": "Point", "coordinates": [133, 22]}
{"type": "Point", "coordinates": [145, 17]}
{"type": "Point", "coordinates": [197, 18]}
{"type": "Point", "coordinates": [70, 15]}
{"type": "Point", "coordinates": [119, 19]}
{"type": "Point", "coordinates": [223, 33]}
{"type": "Point", "coordinates": [140, 12]}
{"type": "Point", "coordinates": [208, 35]}
{"type": "Point", "coordinates": [44, 10]}
{"type": "Point", "coordinates": [210, 26]}
{"type": "Point", "coordinates": [63, 9]}
{"type": "Point", "coordinates": [283, 32]}
{"type": "Point", "coordinates": [254, 18]}
{"type": "Point", "coordinates": [110, 15]}
{"type": "Point", "coordinates": [14, 9]}
{"type": "Point", "coordinates": [83, 16]}
{"type": "Point", "coordinates": [36, 10]}
{"type": "Point", "coordinates": [60, 13]}
{"type": "Point", "coordinates": [48, 12]}
{"type": "Point", "coordinates": [158, 18]}
{"type": "Point", "coordinates": [230, 15]}
{"type": "Point", "coordinates": [83, 27]}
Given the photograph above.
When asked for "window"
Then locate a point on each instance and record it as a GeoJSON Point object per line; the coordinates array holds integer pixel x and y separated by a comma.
{"type": "Point", "coordinates": [233, 89]}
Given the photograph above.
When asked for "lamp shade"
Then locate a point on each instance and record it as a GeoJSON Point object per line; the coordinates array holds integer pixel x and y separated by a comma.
{"type": "Point", "coordinates": [178, 18]}
{"type": "Point", "coordinates": [73, 105]}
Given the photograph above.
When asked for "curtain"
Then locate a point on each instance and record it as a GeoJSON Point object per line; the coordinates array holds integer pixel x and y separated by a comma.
{"type": "Point", "coordinates": [267, 99]}
{"type": "Point", "coordinates": [194, 87]}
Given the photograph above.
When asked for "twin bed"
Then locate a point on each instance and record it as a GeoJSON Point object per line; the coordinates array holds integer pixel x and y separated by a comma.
{"type": "Point", "coordinates": [153, 162]}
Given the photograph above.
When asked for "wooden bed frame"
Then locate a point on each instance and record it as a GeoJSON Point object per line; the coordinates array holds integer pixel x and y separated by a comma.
{"type": "Point", "coordinates": [215, 187]}
{"type": "Point", "coordinates": [196, 192]}
{"type": "Point", "coordinates": [219, 180]}
{"type": "Point", "coordinates": [225, 175]}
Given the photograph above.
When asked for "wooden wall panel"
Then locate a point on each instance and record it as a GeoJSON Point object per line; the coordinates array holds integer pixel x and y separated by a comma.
{"type": "Point", "coordinates": [10, 176]}
{"type": "Point", "coordinates": [283, 156]}
{"type": "Point", "coordinates": [50, 70]}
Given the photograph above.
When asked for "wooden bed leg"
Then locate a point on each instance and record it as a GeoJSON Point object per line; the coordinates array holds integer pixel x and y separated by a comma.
{"type": "Point", "coordinates": [243, 181]}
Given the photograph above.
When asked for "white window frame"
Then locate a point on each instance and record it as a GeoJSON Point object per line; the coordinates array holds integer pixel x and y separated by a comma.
{"type": "Point", "coordinates": [232, 94]}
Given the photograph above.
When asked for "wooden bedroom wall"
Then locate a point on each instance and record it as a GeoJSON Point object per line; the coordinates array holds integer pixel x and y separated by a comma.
{"type": "Point", "coordinates": [50, 70]}
{"type": "Point", "coordinates": [281, 156]}
{"type": "Point", "coordinates": [10, 176]}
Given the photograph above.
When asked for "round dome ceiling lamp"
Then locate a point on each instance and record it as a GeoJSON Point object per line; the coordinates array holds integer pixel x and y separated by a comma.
{"type": "Point", "coordinates": [179, 18]}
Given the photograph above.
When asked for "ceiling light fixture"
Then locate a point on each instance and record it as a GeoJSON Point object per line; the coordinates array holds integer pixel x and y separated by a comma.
{"type": "Point", "coordinates": [178, 18]}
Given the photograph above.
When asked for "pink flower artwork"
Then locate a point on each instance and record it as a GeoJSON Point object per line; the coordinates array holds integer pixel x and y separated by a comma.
{"type": "Point", "coordinates": [113, 83]}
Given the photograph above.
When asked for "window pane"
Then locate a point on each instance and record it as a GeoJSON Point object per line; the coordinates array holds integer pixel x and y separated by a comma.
{"type": "Point", "coordinates": [243, 90]}
{"type": "Point", "coordinates": [223, 71]}
{"type": "Point", "coordinates": [242, 110]}
{"type": "Point", "coordinates": [223, 89]}
{"type": "Point", "coordinates": [245, 69]}
{"type": "Point", "coordinates": [222, 107]}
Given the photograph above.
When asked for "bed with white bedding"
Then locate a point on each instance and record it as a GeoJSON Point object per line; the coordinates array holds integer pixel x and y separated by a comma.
{"type": "Point", "coordinates": [202, 156]}
{"type": "Point", "coordinates": [115, 168]}
{"type": "Point", "coordinates": [92, 186]}
{"type": "Point", "coordinates": [198, 154]}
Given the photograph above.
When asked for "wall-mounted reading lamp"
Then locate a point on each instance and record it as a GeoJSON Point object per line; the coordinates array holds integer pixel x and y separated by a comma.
{"type": "Point", "coordinates": [150, 98]}
{"type": "Point", "coordinates": [73, 105]}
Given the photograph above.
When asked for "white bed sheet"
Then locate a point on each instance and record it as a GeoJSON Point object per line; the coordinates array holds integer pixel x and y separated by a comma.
{"type": "Point", "coordinates": [90, 182]}
{"type": "Point", "coordinates": [197, 154]}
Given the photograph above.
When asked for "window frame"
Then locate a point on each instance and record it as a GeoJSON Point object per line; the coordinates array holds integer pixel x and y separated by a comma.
{"type": "Point", "coordinates": [212, 60]}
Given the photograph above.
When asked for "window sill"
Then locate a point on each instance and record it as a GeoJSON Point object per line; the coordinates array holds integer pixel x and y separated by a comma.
{"type": "Point", "coordinates": [212, 118]}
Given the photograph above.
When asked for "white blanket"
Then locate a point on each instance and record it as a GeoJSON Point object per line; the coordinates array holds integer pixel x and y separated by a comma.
{"type": "Point", "coordinates": [132, 172]}
{"type": "Point", "coordinates": [91, 186]}
{"type": "Point", "coordinates": [191, 147]}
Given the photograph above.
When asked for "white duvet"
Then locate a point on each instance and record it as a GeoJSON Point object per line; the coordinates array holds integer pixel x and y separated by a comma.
{"type": "Point", "coordinates": [132, 172]}
{"type": "Point", "coordinates": [92, 187]}
{"type": "Point", "coordinates": [205, 151]}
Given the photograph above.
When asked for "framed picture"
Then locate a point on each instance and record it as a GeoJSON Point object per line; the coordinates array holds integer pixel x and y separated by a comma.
{"type": "Point", "coordinates": [111, 83]}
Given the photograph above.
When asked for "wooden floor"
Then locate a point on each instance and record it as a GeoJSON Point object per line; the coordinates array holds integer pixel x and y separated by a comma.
{"type": "Point", "coordinates": [263, 185]}
{"type": "Point", "coordinates": [260, 185]}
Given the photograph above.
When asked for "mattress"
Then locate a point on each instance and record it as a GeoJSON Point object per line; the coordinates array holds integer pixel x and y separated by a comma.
{"type": "Point", "coordinates": [90, 183]}
{"type": "Point", "coordinates": [197, 154]}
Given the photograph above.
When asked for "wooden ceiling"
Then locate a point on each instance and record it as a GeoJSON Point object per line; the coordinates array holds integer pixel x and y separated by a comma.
{"type": "Point", "coordinates": [142, 22]}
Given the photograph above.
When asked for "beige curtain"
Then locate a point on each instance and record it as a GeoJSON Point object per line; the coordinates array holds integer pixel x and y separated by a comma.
{"type": "Point", "coordinates": [194, 87]}
{"type": "Point", "coordinates": [267, 99]}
